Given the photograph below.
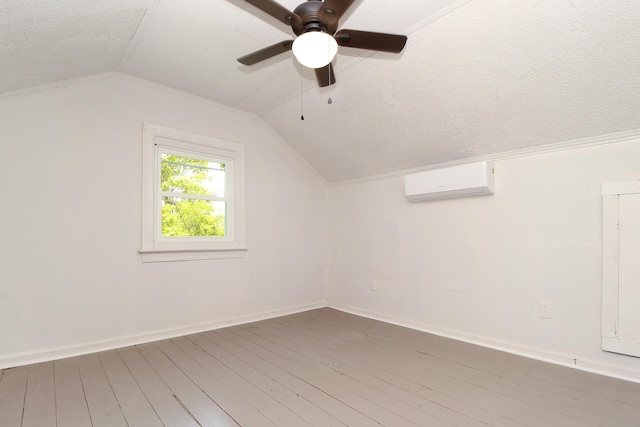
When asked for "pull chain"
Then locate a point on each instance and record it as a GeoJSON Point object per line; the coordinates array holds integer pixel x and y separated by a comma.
{"type": "Point", "coordinates": [301, 99]}
{"type": "Point", "coordinates": [329, 101]}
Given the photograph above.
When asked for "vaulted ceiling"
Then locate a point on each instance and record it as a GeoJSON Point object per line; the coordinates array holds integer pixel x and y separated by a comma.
{"type": "Point", "coordinates": [476, 77]}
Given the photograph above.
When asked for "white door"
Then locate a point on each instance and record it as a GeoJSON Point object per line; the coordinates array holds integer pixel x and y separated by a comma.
{"type": "Point", "coordinates": [621, 268]}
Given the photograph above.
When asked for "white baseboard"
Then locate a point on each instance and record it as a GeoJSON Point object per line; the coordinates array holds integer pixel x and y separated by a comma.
{"type": "Point", "coordinates": [112, 343]}
{"type": "Point", "coordinates": [588, 365]}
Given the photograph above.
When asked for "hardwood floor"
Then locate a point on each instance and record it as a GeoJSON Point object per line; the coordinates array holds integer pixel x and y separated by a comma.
{"type": "Point", "coordinates": [319, 368]}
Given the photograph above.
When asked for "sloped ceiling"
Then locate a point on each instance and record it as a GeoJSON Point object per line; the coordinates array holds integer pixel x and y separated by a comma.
{"type": "Point", "coordinates": [477, 77]}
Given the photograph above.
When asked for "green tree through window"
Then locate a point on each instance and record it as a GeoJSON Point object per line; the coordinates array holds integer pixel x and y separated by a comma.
{"type": "Point", "coordinates": [192, 190]}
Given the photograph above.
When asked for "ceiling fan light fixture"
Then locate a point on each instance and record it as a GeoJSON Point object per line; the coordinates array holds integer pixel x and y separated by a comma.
{"type": "Point", "coordinates": [315, 49]}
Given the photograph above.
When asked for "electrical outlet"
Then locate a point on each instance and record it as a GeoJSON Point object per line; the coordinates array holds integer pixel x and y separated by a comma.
{"type": "Point", "coordinates": [374, 285]}
{"type": "Point", "coordinates": [546, 310]}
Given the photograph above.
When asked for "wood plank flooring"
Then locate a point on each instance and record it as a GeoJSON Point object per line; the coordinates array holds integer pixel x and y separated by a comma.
{"type": "Point", "coordinates": [318, 368]}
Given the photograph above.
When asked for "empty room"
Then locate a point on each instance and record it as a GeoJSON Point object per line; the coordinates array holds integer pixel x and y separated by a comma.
{"type": "Point", "coordinates": [320, 213]}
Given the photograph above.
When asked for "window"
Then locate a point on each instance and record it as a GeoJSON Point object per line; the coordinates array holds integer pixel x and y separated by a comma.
{"type": "Point", "coordinates": [193, 196]}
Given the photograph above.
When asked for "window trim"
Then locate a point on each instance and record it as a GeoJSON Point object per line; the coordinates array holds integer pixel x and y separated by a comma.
{"type": "Point", "coordinates": [155, 248]}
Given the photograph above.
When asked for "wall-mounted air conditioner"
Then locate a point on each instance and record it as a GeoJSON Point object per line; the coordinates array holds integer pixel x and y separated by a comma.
{"type": "Point", "coordinates": [473, 179]}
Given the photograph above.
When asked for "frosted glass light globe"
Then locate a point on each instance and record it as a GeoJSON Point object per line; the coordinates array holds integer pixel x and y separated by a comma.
{"type": "Point", "coordinates": [315, 49]}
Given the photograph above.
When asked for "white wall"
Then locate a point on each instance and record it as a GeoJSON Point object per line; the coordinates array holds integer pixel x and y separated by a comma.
{"type": "Point", "coordinates": [476, 268]}
{"type": "Point", "coordinates": [71, 276]}
{"type": "Point", "coordinates": [71, 279]}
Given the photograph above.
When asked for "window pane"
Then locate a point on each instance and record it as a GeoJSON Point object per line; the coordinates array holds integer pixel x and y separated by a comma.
{"type": "Point", "coordinates": [186, 175]}
{"type": "Point", "coordinates": [191, 217]}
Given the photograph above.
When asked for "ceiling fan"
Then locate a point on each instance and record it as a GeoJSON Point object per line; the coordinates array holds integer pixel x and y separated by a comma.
{"type": "Point", "coordinates": [315, 23]}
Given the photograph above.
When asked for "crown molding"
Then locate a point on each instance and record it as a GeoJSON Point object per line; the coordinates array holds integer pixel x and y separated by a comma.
{"type": "Point", "coordinates": [593, 141]}
{"type": "Point", "coordinates": [57, 85]}
{"type": "Point", "coordinates": [120, 76]}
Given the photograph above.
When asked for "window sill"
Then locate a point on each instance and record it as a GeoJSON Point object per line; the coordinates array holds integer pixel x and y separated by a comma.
{"type": "Point", "coordinates": [155, 255]}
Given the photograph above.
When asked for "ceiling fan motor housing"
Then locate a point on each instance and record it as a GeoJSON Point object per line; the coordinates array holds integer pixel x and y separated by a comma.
{"type": "Point", "coordinates": [310, 19]}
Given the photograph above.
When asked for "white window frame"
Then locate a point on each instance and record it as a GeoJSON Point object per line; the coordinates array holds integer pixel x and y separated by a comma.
{"type": "Point", "coordinates": [155, 247]}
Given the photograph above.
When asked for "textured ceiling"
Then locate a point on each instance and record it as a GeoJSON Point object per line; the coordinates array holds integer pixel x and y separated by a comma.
{"type": "Point", "coordinates": [45, 42]}
{"type": "Point", "coordinates": [476, 77]}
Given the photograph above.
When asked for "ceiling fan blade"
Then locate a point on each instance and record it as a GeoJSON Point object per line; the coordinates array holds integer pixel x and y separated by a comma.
{"type": "Point", "coordinates": [393, 43]}
{"type": "Point", "coordinates": [266, 53]}
{"type": "Point", "coordinates": [276, 10]}
{"type": "Point", "coordinates": [325, 75]}
{"type": "Point", "coordinates": [333, 9]}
